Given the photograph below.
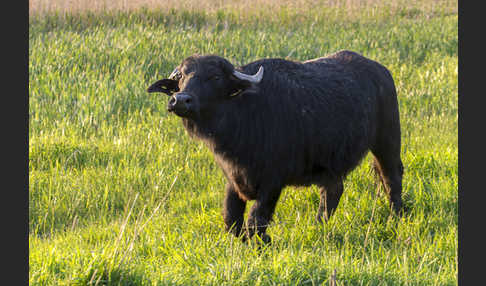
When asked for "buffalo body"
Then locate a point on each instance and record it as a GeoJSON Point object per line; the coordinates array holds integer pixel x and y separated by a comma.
{"type": "Point", "coordinates": [292, 123]}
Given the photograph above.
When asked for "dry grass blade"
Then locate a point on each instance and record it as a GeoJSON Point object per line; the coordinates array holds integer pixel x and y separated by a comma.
{"type": "Point", "coordinates": [332, 282]}
{"type": "Point", "coordinates": [372, 215]}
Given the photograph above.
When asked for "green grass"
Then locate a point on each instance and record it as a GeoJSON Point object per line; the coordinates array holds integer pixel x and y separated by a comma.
{"type": "Point", "coordinates": [119, 195]}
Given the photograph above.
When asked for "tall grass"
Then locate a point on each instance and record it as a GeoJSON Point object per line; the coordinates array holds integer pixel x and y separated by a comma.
{"type": "Point", "coordinates": [42, 7]}
{"type": "Point", "coordinates": [119, 195]}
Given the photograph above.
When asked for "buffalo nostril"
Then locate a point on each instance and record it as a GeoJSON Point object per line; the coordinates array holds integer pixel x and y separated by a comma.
{"type": "Point", "coordinates": [173, 101]}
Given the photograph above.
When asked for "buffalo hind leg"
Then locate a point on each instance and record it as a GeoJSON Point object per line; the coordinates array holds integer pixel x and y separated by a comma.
{"type": "Point", "coordinates": [233, 210]}
{"type": "Point", "coordinates": [330, 193]}
{"type": "Point", "coordinates": [260, 215]}
{"type": "Point", "coordinates": [390, 172]}
{"type": "Point", "coordinates": [386, 150]}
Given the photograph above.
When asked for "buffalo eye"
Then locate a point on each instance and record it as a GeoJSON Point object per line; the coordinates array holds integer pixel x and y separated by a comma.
{"type": "Point", "coordinates": [215, 78]}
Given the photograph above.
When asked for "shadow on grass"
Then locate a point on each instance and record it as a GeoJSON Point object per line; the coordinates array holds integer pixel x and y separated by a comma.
{"type": "Point", "coordinates": [383, 279]}
{"type": "Point", "coordinates": [324, 277]}
{"type": "Point", "coordinates": [117, 276]}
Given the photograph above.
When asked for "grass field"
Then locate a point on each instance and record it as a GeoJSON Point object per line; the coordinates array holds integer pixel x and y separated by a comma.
{"type": "Point", "coordinates": [119, 195]}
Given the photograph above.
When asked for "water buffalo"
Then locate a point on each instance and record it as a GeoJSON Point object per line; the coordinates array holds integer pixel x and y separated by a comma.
{"type": "Point", "coordinates": [275, 122]}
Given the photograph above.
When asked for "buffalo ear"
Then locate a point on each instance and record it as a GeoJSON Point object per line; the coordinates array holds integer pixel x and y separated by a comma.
{"type": "Point", "coordinates": [167, 86]}
{"type": "Point", "coordinates": [238, 85]}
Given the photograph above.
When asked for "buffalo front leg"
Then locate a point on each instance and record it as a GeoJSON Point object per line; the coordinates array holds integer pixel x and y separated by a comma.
{"type": "Point", "coordinates": [330, 193]}
{"type": "Point", "coordinates": [233, 210]}
{"type": "Point", "coordinates": [261, 214]}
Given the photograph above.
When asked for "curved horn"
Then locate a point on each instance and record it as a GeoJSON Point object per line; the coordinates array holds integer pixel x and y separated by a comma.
{"type": "Point", "coordinates": [175, 75]}
{"type": "Point", "coordinates": [256, 78]}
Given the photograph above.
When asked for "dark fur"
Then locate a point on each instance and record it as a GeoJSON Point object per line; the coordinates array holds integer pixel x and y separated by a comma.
{"type": "Point", "coordinates": [304, 123]}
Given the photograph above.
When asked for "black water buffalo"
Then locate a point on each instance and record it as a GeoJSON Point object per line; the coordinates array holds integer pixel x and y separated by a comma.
{"type": "Point", "coordinates": [275, 122]}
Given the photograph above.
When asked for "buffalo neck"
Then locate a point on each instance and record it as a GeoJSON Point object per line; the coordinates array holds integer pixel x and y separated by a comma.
{"type": "Point", "coordinates": [232, 129]}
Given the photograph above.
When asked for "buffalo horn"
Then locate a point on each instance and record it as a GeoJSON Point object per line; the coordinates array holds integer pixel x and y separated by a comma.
{"type": "Point", "coordinates": [175, 75]}
{"type": "Point", "coordinates": [256, 78]}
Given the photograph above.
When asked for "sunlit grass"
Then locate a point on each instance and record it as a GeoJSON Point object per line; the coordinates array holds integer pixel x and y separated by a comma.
{"type": "Point", "coordinates": [119, 195]}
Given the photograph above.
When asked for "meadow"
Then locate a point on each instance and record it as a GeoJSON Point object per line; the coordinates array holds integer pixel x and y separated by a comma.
{"type": "Point", "coordinates": [120, 195]}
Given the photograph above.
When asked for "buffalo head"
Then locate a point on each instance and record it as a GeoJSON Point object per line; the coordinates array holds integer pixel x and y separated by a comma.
{"type": "Point", "coordinates": [200, 83]}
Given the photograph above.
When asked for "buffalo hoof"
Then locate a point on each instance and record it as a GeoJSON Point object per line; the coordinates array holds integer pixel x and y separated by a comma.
{"type": "Point", "coordinates": [263, 239]}
{"type": "Point", "coordinates": [403, 210]}
{"type": "Point", "coordinates": [267, 240]}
